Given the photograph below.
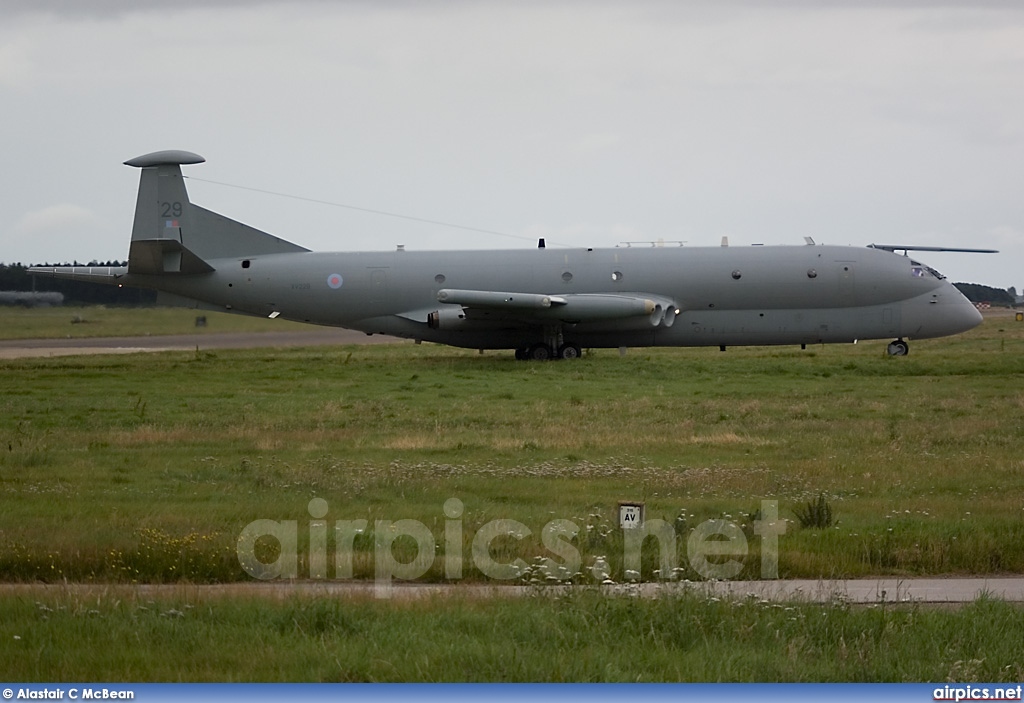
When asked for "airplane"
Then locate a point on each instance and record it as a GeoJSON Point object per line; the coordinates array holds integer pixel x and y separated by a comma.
{"type": "Point", "coordinates": [544, 303]}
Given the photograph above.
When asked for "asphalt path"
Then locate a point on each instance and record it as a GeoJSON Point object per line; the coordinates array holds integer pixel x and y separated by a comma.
{"type": "Point", "coordinates": [25, 348]}
{"type": "Point", "coordinates": [938, 591]}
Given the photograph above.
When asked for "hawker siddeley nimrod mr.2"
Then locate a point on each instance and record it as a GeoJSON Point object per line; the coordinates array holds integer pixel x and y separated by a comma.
{"type": "Point", "coordinates": [544, 302]}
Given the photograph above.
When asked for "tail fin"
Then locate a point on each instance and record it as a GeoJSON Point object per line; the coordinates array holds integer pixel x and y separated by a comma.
{"type": "Point", "coordinates": [171, 235]}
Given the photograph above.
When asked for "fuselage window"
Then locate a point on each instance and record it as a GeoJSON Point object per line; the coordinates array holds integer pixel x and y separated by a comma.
{"type": "Point", "coordinates": [919, 270]}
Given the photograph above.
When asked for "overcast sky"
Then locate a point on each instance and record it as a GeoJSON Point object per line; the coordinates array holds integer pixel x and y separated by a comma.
{"type": "Point", "coordinates": [588, 123]}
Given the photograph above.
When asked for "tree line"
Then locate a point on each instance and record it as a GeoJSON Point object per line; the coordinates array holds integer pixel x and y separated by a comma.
{"type": "Point", "coordinates": [977, 293]}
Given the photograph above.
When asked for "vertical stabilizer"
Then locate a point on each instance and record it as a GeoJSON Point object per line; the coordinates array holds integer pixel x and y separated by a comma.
{"type": "Point", "coordinates": [162, 208]}
{"type": "Point", "coordinates": [162, 216]}
{"type": "Point", "coordinates": [171, 235]}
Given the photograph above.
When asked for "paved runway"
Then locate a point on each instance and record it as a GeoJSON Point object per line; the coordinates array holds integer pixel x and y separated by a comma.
{"type": "Point", "coordinates": [881, 590]}
{"type": "Point", "coordinates": [24, 348]}
{"type": "Point", "coordinates": [952, 591]}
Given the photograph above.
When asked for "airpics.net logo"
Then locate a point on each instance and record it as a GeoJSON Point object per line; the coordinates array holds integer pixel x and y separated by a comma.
{"type": "Point", "coordinates": [714, 549]}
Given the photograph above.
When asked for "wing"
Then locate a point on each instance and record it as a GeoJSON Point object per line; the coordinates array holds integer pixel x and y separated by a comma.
{"type": "Point", "coordinates": [910, 247]}
{"type": "Point", "coordinates": [469, 306]}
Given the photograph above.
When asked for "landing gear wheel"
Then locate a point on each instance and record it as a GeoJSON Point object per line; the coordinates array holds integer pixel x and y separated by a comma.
{"type": "Point", "coordinates": [522, 354]}
{"type": "Point", "coordinates": [569, 351]}
{"type": "Point", "coordinates": [539, 352]}
{"type": "Point", "coordinates": [897, 348]}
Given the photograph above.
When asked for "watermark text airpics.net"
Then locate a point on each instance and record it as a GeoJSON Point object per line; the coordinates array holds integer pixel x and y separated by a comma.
{"type": "Point", "coordinates": [714, 548]}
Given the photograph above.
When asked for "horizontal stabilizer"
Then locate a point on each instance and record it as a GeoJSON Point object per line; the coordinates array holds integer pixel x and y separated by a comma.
{"type": "Point", "coordinates": [90, 274]}
{"type": "Point", "coordinates": [911, 247]}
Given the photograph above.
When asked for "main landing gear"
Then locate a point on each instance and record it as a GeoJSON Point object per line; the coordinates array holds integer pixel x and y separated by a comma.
{"type": "Point", "coordinates": [897, 348]}
{"type": "Point", "coordinates": [554, 346]}
{"type": "Point", "coordinates": [544, 352]}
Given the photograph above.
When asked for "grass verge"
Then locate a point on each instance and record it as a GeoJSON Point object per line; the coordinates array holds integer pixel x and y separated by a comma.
{"type": "Point", "coordinates": [117, 636]}
{"type": "Point", "coordinates": [146, 468]}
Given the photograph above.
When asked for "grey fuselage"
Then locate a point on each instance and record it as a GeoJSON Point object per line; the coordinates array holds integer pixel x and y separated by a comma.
{"type": "Point", "coordinates": [724, 295]}
{"type": "Point", "coordinates": [542, 302]}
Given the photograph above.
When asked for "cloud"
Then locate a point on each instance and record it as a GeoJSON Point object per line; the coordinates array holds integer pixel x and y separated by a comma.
{"type": "Point", "coordinates": [767, 121]}
{"type": "Point", "coordinates": [1003, 237]}
{"type": "Point", "coordinates": [590, 143]}
{"type": "Point", "coordinates": [98, 9]}
{"type": "Point", "coordinates": [109, 8]}
{"type": "Point", "coordinates": [15, 61]}
{"type": "Point", "coordinates": [55, 219]}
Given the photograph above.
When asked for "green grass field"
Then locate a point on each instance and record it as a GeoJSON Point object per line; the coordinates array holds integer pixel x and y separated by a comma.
{"type": "Point", "coordinates": [119, 636]}
{"type": "Point", "coordinates": [147, 467]}
{"type": "Point", "coordinates": [99, 321]}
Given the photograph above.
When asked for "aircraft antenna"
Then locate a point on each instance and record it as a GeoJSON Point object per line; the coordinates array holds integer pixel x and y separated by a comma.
{"type": "Point", "coordinates": [370, 210]}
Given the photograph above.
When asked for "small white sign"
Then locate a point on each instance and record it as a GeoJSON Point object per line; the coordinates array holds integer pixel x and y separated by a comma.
{"type": "Point", "coordinates": [631, 515]}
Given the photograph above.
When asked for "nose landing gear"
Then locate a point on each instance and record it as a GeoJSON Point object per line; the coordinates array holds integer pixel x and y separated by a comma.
{"type": "Point", "coordinates": [897, 348]}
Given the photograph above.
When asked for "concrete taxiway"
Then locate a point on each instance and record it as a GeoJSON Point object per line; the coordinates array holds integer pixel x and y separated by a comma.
{"type": "Point", "coordinates": [34, 348]}
{"type": "Point", "coordinates": [949, 591]}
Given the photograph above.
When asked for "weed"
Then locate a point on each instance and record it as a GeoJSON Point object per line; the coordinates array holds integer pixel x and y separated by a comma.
{"type": "Point", "coordinates": [815, 514]}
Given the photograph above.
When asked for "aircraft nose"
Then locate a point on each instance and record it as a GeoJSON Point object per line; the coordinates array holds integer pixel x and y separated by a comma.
{"type": "Point", "coordinates": [971, 316]}
{"type": "Point", "coordinates": [962, 313]}
{"type": "Point", "coordinates": [944, 312]}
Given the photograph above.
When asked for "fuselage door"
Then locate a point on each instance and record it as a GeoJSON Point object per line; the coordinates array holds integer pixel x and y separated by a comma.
{"type": "Point", "coordinates": [846, 283]}
{"type": "Point", "coordinates": [378, 284]}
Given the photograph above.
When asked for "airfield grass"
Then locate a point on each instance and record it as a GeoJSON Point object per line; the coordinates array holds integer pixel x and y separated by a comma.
{"type": "Point", "coordinates": [147, 467]}
{"type": "Point", "coordinates": [80, 322]}
{"type": "Point", "coordinates": [586, 636]}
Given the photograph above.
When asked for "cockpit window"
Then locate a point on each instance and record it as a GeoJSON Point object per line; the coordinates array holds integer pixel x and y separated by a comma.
{"type": "Point", "coordinates": [919, 270]}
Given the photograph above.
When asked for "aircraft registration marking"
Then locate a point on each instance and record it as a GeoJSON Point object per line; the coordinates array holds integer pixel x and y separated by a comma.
{"type": "Point", "coordinates": [170, 210]}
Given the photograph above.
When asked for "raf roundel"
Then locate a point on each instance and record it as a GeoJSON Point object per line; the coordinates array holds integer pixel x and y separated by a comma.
{"type": "Point", "coordinates": [334, 281]}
